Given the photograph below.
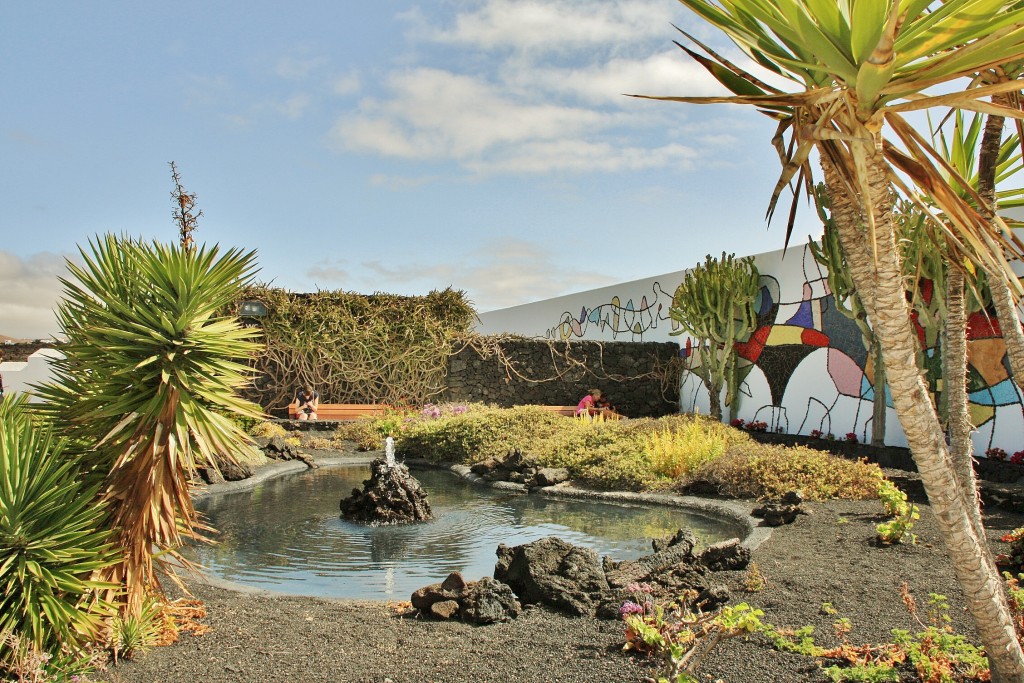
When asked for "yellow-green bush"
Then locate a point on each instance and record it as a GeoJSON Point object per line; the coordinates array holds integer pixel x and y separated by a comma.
{"type": "Point", "coordinates": [478, 434]}
{"type": "Point", "coordinates": [674, 452]}
{"type": "Point", "coordinates": [616, 468]}
{"type": "Point", "coordinates": [267, 429]}
{"type": "Point", "coordinates": [363, 432]}
{"type": "Point", "coordinates": [763, 471]}
{"type": "Point", "coordinates": [321, 442]}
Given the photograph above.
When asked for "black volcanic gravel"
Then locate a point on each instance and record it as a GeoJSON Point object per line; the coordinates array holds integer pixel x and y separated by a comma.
{"type": "Point", "coordinates": [824, 557]}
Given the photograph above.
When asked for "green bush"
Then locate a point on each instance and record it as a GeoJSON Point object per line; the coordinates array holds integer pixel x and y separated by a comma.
{"type": "Point", "coordinates": [50, 545]}
{"type": "Point", "coordinates": [758, 470]}
{"type": "Point", "coordinates": [479, 433]}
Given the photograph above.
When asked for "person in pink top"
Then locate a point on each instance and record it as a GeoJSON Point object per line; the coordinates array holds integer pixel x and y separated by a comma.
{"type": "Point", "coordinates": [588, 404]}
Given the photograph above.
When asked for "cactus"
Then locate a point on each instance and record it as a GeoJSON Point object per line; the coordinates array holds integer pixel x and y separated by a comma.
{"type": "Point", "coordinates": [714, 304]}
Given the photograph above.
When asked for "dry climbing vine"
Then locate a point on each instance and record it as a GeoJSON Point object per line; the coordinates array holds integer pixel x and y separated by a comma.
{"type": "Point", "coordinates": [385, 348]}
{"type": "Point", "coordinates": [355, 348]}
{"type": "Point", "coordinates": [568, 360]}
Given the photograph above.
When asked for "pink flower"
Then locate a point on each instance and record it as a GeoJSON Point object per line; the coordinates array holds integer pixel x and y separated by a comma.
{"type": "Point", "coordinates": [630, 607]}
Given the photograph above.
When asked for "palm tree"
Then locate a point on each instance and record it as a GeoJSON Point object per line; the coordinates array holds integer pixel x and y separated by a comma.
{"type": "Point", "coordinates": [150, 374]}
{"type": "Point", "coordinates": [858, 66]}
{"type": "Point", "coordinates": [982, 165]}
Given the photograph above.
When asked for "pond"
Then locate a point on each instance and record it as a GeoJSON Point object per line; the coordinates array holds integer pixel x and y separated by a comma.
{"type": "Point", "coordinates": [286, 535]}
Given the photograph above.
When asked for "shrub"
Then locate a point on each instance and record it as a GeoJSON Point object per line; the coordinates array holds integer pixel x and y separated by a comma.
{"type": "Point", "coordinates": [679, 635]}
{"type": "Point", "coordinates": [320, 442]}
{"type": "Point", "coordinates": [673, 453]}
{"type": "Point", "coordinates": [613, 468]}
{"type": "Point", "coordinates": [50, 546]}
{"type": "Point", "coordinates": [936, 653]}
{"type": "Point", "coordinates": [267, 429]}
{"type": "Point", "coordinates": [765, 471]}
{"type": "Point", "coordinates": [478, 434]}
{"type": "Point", "coordinates": [132, 634]}
{"type": "Point", "coordinates": [903, 514]}
{"type": "Point", "coordinates": [363, 432]}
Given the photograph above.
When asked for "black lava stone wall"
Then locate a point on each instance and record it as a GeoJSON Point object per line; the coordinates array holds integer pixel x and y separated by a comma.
{"type": "Point", "coordinates": [640, 378]}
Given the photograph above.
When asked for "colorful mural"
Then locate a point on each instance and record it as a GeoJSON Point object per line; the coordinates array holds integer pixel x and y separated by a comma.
{"type": "Point", "coordinates": [618, 319]}
{"type": "Point", "coordinates": [805, 367]}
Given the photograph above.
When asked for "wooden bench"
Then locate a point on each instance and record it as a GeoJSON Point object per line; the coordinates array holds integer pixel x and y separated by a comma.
{"type": "Point", "coordinates": [344, 411]}
{"type": "Point", "coordinates": [568, 411]}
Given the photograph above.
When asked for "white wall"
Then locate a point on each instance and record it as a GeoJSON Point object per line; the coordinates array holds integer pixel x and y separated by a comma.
{"type": "Point", "coordinates": [19, 375]}
{"type": "Point", "coordinates": [809, 374]}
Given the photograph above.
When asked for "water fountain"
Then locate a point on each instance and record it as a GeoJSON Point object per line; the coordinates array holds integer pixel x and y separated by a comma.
{"type": "Point", "coordinates": [285, 534]}
{"type": "Point", "coordinates": [389, 452]}
{"type": "Point", "coordinates": [390, 496]}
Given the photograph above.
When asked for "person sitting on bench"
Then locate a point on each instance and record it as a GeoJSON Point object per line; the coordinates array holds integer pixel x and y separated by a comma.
{"type": "Point", "coordinates": [588, 404]}
{"type": "Point", "coordinates": [305, 402]}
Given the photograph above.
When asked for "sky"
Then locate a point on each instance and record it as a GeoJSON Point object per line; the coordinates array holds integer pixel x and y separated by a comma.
{"type": "Point", "coordinates": [390, 146]}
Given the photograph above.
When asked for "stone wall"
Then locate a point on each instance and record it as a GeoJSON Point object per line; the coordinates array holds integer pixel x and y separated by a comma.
{"type": "Point", "coordinates": [640, 378]}
{"type": "Point", "coordinates": [20, 351]}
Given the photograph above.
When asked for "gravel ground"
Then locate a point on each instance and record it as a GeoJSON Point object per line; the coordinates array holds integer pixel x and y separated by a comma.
{"type": "Point", "coordinates": [824, 557]}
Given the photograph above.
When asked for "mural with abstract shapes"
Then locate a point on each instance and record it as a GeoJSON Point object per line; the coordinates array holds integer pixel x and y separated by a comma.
{"type": "Point", "coordinates": [628, 321]}
{"type": "Point", "coordinates": [805, 367]}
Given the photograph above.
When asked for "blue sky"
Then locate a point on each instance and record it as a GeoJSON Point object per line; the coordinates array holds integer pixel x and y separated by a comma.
{"type": "Point", "coordinates": [375, 146]}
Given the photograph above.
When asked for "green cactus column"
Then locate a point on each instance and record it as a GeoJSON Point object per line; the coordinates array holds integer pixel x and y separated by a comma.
{"type": "Point", "coordinates": [715, 305]}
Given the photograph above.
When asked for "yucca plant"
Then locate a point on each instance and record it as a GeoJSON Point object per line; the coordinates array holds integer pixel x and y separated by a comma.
{"type": "Point", "coordinates": [133, 634]}
{"type": "Point", "coordinates": [52, 542]}
{"type": "Point", "coordinates": [150, 373]}
{"type": "Point", "coordinates": [857, 66]}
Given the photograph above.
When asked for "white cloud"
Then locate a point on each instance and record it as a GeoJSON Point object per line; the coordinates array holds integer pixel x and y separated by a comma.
{"type": "Point", "coordinates": [401, 183]}
{"type": "Point", "coordinates": [528, 110]}
{"type": "Point", "coordinates": [439, 113]}
{"type": "Point", "coordinates": [323, 272]}
{"type": "Point", "coordinates": [581, 157]}
{"type": "Point", "coordinates": [29, 292]}
{"type": "Point", "coordinates": [552, 25]}
{"type": "Point", "coordinates": [207, 91]}
{"type": "Point", "coordinates": [665, 73]}
{"type": "Point", "coordinates": [435, 115]}
{"type": "Point", "coordinates": [502, 272]}
{"type": "Point", "coordinates": [293, 107]}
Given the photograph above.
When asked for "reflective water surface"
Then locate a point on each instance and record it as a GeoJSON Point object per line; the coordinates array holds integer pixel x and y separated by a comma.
{"type": "Point", "coordinates": [286, 535]}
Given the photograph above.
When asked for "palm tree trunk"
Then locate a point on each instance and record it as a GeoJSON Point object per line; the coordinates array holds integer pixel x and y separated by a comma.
{"type": "Point", "coordinates": [1010, 326]}
{"type": "Point", "coordinates": [954, 385]}
{"type": "Point", "coordinates": [878, 277]}
{"type": "Point", "coordinates": [878, 405]}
